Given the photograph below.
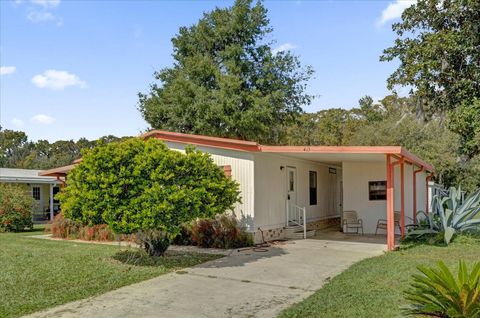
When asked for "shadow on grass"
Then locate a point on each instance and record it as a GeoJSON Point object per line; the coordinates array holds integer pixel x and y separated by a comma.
{"type": "Point", "coordinates": [171, 259]}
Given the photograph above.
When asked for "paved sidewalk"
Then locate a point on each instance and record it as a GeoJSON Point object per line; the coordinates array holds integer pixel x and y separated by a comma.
{"type": "Point", "coordinates": [244, 284]}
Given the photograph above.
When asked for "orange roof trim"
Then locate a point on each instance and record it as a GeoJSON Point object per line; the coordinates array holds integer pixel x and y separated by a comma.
{"type": "Point", "coordinates": [201, 140]}
{"type": "Point", "coordinates": [57, 172]}
{"type": "Point", "coordinates": [250, 146]}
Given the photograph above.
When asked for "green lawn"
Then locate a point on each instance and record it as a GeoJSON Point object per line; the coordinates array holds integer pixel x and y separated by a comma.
{"type": "Point", "coordinates": [373, 287]}
{"type": "Point", "coordinates": [37, 274]}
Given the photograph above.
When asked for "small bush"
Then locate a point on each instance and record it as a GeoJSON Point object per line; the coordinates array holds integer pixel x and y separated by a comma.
{"type": "Point", "coordinates": [64, 228]}
{"type": "Point", "coordinates": [15, 208]}
{"type": "Point", "coordinates": [438, 293]}
{"type": "Point", "coordinates": [221, 232]}
{"type": "Point", "coordinates": [67, 229]}
{"type": "Point", "coordinates": [154, 242]}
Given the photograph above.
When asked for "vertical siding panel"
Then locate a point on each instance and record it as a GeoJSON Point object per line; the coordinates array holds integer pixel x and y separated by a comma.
{"type": "Point", "coordinates": [241, 164]}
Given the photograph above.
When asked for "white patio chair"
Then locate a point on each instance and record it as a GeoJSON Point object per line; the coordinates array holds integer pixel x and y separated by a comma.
{"type": "Point", "coordinates": [351, 221]}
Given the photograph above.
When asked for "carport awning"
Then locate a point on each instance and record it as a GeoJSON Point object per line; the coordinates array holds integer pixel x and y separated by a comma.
{"type": "Point", "coordinates": [334, 154]}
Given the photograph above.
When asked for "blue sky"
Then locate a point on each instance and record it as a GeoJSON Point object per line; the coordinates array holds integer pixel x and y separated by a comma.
{"type": "Point", "coordinates": [72, 69]}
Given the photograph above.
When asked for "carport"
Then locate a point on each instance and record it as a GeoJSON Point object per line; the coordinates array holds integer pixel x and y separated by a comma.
{"type": "Point", "coordinates": [405, 175]}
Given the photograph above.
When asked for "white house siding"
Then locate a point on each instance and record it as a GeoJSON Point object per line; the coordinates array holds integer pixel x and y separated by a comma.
{"type": "Point", "coordinates": [271, 185]}
{"type": "Point", "coordinates": [242, 171]}
{"type": "Point", "coordinates": [356, 176]}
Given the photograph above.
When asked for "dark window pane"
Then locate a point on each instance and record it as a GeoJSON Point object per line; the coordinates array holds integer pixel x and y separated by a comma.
{"type": "Point", "coordinates": [313, 187]}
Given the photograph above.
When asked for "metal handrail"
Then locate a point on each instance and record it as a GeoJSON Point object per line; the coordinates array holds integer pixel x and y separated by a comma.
{"type": "Point", "coordinates": [298, 217]}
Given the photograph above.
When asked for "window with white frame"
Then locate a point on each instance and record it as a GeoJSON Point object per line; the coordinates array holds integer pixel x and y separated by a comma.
{"type": "Point", "coordinates": [36, 193]}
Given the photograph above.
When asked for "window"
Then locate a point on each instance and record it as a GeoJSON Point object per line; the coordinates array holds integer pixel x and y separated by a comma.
{"type": "Point", "coordinates": [313, 187]}
{"type": "Point", "coordinates": [36, 193]}
{"type": "Point", "coordinates": [377, 190]}
{"type": "Point", "coordinates": [291, 181]}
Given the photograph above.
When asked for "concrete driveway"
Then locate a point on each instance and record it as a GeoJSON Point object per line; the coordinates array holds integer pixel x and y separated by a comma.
{"type": "Point", "coordinates": [244, 284]}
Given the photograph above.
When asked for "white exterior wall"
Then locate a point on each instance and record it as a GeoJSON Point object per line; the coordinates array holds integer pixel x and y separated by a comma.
{"type": "Point", "coordinates": [356, 176]}
{"type": "Point", "coordinates": [242, 171]}
{"type": "Point", "coordinates": [271, 188]}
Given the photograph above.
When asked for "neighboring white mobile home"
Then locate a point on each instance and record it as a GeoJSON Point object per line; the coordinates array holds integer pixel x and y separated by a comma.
{"type": "Point", "coordinates": [41, 188]}
{"type": "Point", "coordinates": [313, 185]}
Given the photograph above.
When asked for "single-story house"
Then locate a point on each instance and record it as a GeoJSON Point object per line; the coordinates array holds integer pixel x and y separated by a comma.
{"type": "Point", "coordinates": [41, 188]}
{"type": "Point", "coordinates": [311, 186]}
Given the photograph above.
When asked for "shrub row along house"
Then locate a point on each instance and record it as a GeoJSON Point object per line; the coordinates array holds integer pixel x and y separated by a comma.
{"type": "Point", "coordinates": [310, 186]}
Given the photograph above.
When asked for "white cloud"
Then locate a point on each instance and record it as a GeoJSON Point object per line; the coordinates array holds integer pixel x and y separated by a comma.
{"type": "Point", "coordinates": [4, 70]}
{"type": "Point", "coordinates": [40, 16]}
{"type": "Point", "coordinates": [46, 3]}
{"type": "Point", "coordinates": [284, 47]}
{"type": "Point", "coordinates": [57, 80]}
{"type": "Point", "coordinates": [42, 119]}
{"type": "Point", "coordinates": [17, 122]}
{"type": "Point", "coordinates": [394, 10]}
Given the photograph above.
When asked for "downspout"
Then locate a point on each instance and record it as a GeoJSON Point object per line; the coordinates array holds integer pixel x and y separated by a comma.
{"type": "Point", "coordinates": [427, 203]}
{"type": "Point", "coordinates": [415, 194]}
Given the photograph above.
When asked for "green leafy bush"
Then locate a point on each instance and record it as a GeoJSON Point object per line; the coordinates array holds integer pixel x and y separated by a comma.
{"type": "Point", "coordinates": [437, 293]}
{"type": "Point", "coordinates": [221, 232]}
{"type": "Point", "coordinates": [450, 216]}
{"type": "Point", "coordinates": [15, 208]}
{"type": "Point", "coordinates": [138, 185]}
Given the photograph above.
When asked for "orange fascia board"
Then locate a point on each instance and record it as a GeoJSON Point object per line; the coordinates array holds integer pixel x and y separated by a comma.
{"type": "Point", "coordinates": [250, 146]}
{"type": "Point", "coordinates": [60, 171]}
{"type": "Point", "coordinates": [415, 160]}
{"type": "Point", "coordinates": [200, 140]}
{"type": "Point", "coordinates": [335, 149]}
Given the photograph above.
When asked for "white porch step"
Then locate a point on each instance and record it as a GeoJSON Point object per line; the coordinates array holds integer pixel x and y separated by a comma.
{"type": "Point", "coordinates": [296, 232]}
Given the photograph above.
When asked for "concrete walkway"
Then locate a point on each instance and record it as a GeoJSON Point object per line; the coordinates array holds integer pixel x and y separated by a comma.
{"type": "Point", "coordinates": [244, 284]}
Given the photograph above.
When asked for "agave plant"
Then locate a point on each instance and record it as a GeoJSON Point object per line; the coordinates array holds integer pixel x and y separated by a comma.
{"type": "Point", "coordinates": [437, 293]}
{"type": "Point", "coordinates": [450, 215]}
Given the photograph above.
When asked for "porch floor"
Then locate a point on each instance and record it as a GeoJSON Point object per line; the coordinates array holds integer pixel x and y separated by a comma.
{"type": "Point", "coordinates": [334, 234]}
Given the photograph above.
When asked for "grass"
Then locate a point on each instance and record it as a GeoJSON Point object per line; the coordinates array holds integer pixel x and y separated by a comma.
{"type": "Point", "coordinates": [36, 274]}
{"type": "Point", "coordinates": [374, 287]}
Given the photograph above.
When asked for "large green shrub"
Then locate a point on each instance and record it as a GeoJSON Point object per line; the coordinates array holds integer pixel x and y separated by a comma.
{"type": "Point", "coordinates": [15, 208]}
{"type": "Point", "coordinates": [138, 185]}
{"type": "Point", "coordinates": [437, 293]}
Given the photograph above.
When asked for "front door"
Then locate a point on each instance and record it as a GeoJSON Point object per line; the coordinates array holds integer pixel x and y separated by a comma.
{"type": "Point", "coordinates": [291, 192]}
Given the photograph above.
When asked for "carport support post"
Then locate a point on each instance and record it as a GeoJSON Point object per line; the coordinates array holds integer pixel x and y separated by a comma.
{"type": "Point", "coordinates": [402, 195]}
{"type": "Point", "coordinates": [390, 205]}
{"type": "Point", "coordinates": [51, 202]}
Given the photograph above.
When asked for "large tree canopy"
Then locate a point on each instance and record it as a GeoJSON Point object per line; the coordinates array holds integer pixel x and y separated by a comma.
{"type": "Point", "coordinates": [226, 80]}
{"type": "Point", "coordinates": [438, 46]}
{"type": "Point", "coordinates": [16, 151]}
